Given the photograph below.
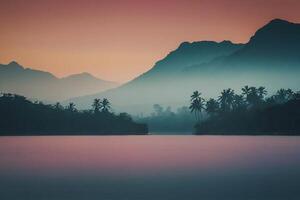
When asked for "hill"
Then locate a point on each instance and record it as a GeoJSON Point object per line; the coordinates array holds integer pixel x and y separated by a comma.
{"type": "Point", "coordinates": [36, 84]}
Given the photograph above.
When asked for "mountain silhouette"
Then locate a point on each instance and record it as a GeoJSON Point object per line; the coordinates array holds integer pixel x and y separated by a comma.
{"type": "Point", "coordinates": [277, 44]}
{"type": "Point", "coordinates": [277, 33]}
{"type": "Point", "coordinates": [271, 58]}
{"type": "Point", "coordinates": [165, 72]}
{"type": "Point", "coordinates": [41, 85]}
{"type": "Point", "coordinates": [189, 54]}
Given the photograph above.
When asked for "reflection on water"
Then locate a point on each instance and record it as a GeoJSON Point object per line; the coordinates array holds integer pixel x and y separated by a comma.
{"type": "Point", "coordinates": [149, 167]}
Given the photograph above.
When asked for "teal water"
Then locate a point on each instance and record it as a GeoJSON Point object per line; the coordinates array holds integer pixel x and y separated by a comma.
{"type": "Point", "coordinates": [149, 167]}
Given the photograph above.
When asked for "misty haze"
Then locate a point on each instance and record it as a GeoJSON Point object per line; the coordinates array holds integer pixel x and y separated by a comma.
{"type": "Point", "coordinates": [150, 100]}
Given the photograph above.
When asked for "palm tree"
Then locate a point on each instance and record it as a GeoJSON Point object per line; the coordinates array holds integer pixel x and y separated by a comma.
{"type": "Point", "coordinates": [200, 106]}
{"type": "Point", "coordinates": [71, 107]}
{"type": "Point", "coordinates": [226, 99]}
{"type": "Point", "coordinates": [212, 106]}
{"type": "Point", "coordinates": [255, 96]}
{"type": "Point", "coordinates": [246, 91]}
{"type": "Point", "coordinates": [96, 105]}
{"type": "Point", "coordinates": [58, 106]}
{"type": "Point", "coordinates": [262, 92]}
{"type": "Point", "coordinates": [284, 95]}
{"type": "Point", "coordinates": [197, 104]}
{"type": "Point", "coordinates": [195, 95]}
{"type": "Point", "coordinates": [193, 107]}
{"type": "Point", "coordinates": [196, 107]}
{"type": "Point", "coordinates": [296, 95]}
{"type": "Point", "coordinates": [252, 95]}
{"type": "Point", "coordinates": [238, 102]}
{"type": "Point", "coordinates": [105, 105]}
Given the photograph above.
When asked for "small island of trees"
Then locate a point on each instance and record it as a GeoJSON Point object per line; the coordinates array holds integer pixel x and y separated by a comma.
{"type": "Point", "coordinates": [20, 116]}
{"type": "Point", "coordinates": [250, 112]}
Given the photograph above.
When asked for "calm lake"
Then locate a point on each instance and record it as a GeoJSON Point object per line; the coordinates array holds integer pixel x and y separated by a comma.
{"type": "Point", "coordinates": [150, 167]}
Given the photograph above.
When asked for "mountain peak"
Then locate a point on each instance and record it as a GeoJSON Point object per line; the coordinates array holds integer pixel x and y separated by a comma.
{"type": "Point", "coordinates": [184, 44]}
{"type": "Point", "coordinates": [226, 42]}
{"type": "Point", "coordinates": [14, 64]}
{"type": "Point", "coordinates": [84, 75]}
{"type": "Point", "coordinates": [279, 21]}
{"type": "Point", "coordinates": [278, 24]}
{"type": "Point", "coordinates": [277, 31]}
{"type": "Point", "coordinates": [202, 44]}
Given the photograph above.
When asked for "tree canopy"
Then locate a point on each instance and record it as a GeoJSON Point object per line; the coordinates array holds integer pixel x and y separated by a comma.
{"type": "Point", "coordinates": [19, 116]}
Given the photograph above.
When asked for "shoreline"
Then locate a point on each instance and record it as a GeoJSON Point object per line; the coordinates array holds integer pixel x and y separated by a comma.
{"type": "Point", "coordinates": [145, 134]}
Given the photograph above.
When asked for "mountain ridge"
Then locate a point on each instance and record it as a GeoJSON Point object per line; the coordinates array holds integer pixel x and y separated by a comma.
{"type": "Point", "coordinates": [271, 58]}
{"type": "Point", "coordinates": [15, 78]}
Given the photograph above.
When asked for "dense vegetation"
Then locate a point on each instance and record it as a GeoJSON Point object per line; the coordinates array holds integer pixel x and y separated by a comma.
{"type": "Point", "coordinates": [165, 120]}
{"type": "Point", "coordinates": [20, 116]}
{"type": "Point", "coordinates": [248, 113]}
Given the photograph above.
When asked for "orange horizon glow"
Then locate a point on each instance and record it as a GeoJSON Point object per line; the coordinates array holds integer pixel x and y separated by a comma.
{"type": "Point", "coordinates": [118, 40]}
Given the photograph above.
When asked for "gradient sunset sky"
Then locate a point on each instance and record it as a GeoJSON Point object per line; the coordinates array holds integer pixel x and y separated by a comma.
{"type": "Point", "coordinates": [120, 39]}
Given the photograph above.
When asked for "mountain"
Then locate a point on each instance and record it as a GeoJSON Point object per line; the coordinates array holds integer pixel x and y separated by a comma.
{"type": "Point", "coordinates": [271, 58]}
{"type": "Point", "coordinates": [165, 79]}
{"type": "Point", "coordinates": [190, 54]}
{"type": "Point", "coordinates": [278, 41]}
{"type": "Point", "coordinates": [275, 45]}
{"type": "Point", "coordinates": [15, 78]}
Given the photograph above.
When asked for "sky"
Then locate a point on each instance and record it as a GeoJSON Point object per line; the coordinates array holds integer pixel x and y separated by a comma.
{"type": "Point", "coordinates": [119, 39]}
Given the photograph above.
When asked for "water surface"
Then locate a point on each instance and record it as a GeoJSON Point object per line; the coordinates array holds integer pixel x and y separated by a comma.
{"type": "Point", "coordinates": [149, 167]}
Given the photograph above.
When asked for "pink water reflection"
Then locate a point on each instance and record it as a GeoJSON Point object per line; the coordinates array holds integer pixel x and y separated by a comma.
{"type": "Point", "coordinates": [144, 154]}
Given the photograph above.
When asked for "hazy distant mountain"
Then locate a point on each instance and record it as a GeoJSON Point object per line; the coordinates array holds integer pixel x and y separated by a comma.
{"type": "Point", "coordinates": [165, 76]}
{"type": "Point", "coordinates": [190, 54]}
{"type": "Point", "coordinates": [14, 78]}
{"type": "Point", "coordinates": [271, 58]}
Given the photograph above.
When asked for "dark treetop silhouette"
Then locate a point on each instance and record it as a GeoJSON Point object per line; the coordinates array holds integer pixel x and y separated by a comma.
{"type": "Point", "coordinates": [250, 112]}
{"type": "Point", "coordinates": [20, 116]}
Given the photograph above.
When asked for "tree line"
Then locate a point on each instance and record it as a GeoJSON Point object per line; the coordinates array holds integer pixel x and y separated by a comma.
{"type": "Point", "coordinates": [21, 116]}
{"type": "Point", "coordinates": [249, 112]}
{"type": "Point", "coordinates": [165, 120]}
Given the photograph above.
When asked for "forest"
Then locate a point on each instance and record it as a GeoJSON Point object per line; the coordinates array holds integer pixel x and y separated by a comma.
{"type": "Point", "coordinates": [164, 120]}
{"type": "Point", "coordinates": [250, 112]}
{"type": "Point", "coordinates": [20, 116]}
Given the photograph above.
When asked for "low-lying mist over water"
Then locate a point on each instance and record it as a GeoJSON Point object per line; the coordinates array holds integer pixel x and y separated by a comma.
{"type": "Point", "coordinates": [150, 167]}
